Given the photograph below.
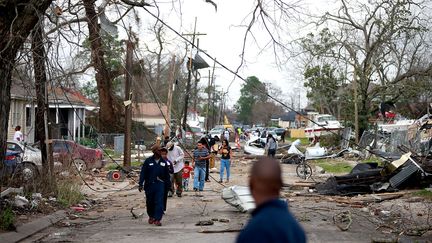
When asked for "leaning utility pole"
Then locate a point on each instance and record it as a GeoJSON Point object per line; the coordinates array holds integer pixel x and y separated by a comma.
{"type": "Point", "coordinates": [188, 85]}
{"type": "Point", "coordinates": [128, 105]}
{"type": "Point", "coordinates": [171, 75]}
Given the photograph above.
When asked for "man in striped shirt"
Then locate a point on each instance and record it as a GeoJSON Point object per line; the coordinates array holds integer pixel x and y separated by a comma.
{"type": "Point", "coordinates": [201, 154]}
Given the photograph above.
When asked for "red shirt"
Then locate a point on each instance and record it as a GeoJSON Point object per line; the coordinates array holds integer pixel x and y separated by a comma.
{"type": "Point", "coordinates": [186, 171]}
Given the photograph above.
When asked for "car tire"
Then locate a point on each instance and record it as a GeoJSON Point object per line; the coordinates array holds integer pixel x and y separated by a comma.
{"type": "Point", "coordinates": [79, 165]}
{"type": "Point", "coordinates": [28, 172]}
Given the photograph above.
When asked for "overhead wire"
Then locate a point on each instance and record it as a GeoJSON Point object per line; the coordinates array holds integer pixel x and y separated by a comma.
{"type": "Point", "coordinates": [157, 99]}
{"type": "Point", "coordinates": [258, 88]}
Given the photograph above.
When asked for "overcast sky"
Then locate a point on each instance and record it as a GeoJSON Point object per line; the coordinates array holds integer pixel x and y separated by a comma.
{"type": "Point", "coordinates": [225, 30]}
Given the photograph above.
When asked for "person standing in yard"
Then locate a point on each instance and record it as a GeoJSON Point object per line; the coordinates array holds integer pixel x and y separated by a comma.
{"type": "Point", "coordinates": [271, 220]}
{"type": "Point", "coordinates": [271, 145]}
{"type": "Point", "coordinates": [18, 135]}
{"type": "Point", "coordinates": [283, 135]}
{"type": "Point", "coordinates": [154, 179]}
{"type": "Point", "coordinates": [176, 156]}
{"type": "Point", "coordinates": [226, 154]}
{"type": "Point", "coordinates": [226, 134]}
{"type": "Point", "coordinates": [186, 175]}
{"type": "Point", "coordinates": [201, 154]}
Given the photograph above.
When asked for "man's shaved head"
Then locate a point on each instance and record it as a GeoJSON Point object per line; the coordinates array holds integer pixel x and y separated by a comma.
{"type": "Point", "coordinates": [265, 180]}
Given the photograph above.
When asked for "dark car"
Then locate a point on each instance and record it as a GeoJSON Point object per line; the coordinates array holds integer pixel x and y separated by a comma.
{"type": "Point", "coordinates": [76, 154]}
{"type": "Point", "coordinates": [10, 162]}
{"type": "Point", "coordinates": [279, 131]}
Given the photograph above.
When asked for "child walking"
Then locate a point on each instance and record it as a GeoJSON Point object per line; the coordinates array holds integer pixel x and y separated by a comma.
{"type": "Point", "coordinates": [186, 175]}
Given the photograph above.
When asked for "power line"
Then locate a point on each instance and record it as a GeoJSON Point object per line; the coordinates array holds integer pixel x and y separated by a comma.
{"type": "Point", "coordinates": [254, 86]}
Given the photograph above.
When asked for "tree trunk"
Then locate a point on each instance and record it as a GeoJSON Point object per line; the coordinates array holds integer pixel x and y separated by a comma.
{"type": "Point", "coordinates": [15, 26]}
{"type": "Point", "coordinates": [42, 132]}
{"type": "Point", "coordinates": [108, 118]}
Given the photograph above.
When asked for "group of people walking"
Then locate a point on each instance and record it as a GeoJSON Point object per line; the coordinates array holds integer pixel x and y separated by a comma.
{"type": "Point", "coordinates": [166, 173]}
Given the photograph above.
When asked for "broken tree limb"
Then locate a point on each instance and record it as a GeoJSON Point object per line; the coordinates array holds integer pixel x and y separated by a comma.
{"type": "Point", "coordinates": [220, 231]}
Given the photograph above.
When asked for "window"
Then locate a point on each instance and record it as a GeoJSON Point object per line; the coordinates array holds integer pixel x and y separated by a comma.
{"type": "Point", "coordinates": [16, 117]}
{"type": "Point", "coordinates": [28, 117]}
{"type": "Point", "coordinates": [14, 147]}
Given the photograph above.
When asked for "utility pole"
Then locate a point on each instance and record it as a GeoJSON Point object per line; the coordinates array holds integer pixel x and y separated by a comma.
{"type": "Point", "coordinates": [188, 85]}
{"type": "Point", "coordinates": [210, 90]}
{"type": "Point", "coordinates": [128, 104]}
{"type": "Point", "coordinates": [356, 122]}
{"type": "Point", "coordinates": [195, 89]}
{"type": "Point", "coordinates": [171, 75]}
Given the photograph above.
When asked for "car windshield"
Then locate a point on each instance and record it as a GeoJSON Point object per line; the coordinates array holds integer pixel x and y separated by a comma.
{"type": "Point", "coordinates": [326, 118]}
{"type": "Point", "coordinates": [195, 129]}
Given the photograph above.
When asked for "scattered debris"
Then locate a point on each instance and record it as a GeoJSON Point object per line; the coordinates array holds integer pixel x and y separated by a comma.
{"type": "Point", "coordinates": [20, 201]}
{"type": "Point", "coordinates": [115, 176]}
{"type": "Point", "coordinates": [204, 223]}
{"type": "Point", "coordinates": [134, 215]}
{"type": "Point", "coordinates": [239, 197]}
{"type": "Point", "coordinates": [11, 190]}
{"type": "Point", "coordinates": [343, 220]}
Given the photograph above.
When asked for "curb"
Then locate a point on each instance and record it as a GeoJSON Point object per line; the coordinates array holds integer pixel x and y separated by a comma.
{"type": "Point", "coordinates": [31, 228]}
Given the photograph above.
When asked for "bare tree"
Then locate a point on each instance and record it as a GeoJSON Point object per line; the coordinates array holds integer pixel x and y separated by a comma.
{"type": "Point", "coordinates": [381, 43]}
{"type": "Point", "coordinates": [15, 27]}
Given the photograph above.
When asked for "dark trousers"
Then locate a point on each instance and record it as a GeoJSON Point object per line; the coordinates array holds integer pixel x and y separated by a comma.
{"type": "Point", "coordinates": [155, 200]}
{"type": "Point", "coordinates": [207, 170]}
{"type": "Point", "coordinates": [271, 153]}
{"type": "Point", "coordinates": [177, 182]}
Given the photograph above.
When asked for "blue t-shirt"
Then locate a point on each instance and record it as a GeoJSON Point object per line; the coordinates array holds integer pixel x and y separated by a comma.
{"type": "Point", "coordinates": [272, 222]}
{"type": "Point", "coordinates": [200, 153]}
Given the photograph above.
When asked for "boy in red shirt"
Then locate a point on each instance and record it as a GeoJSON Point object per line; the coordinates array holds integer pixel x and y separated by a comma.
{"type": "Point", "coordinates": [186, 174]}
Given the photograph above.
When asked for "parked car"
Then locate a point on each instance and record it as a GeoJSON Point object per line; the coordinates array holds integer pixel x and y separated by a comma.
{"type": "Point", "coordinates": [279, 132]}
{"type": "Point", "coordinates": [30, 162]}
{"type": "Point", "coordinates": [67, 151]}
{"type": "Point", "coordinates": [216, 132]}
{"type": "Point", "coordinates": [194, 132]}
{"type": "Point", "coordinates": [10, 163]}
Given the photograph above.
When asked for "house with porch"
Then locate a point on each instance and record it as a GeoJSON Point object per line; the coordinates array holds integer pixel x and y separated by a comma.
{"type": "Point", "coordinates": [66, 116]}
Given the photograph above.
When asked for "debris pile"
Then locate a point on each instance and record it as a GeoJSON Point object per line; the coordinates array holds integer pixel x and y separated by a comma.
{"type": "Point", "coordinates": [409, 171]}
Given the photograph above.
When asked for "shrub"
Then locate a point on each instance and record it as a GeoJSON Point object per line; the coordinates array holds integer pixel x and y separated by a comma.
{"type": "Point", "coordinates": [7, 219]}
{"type": "Point", "coordinates": [68, 193]}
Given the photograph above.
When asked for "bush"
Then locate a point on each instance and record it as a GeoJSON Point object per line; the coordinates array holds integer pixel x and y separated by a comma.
{"type": "Point", "coordinates": [88, 142]}
{"type": "Point", "coordinates": [7, 219]}
{"type": "Point", "coordinates": [68, 193]}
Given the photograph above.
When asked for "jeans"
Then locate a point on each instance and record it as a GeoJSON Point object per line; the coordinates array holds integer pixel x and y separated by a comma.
{"type": "Point", "coordinates": [186, 184]}
{"type": "Point", "coordinates": [225, 163]}
{"type": "Point", "coordinates": [199, 178]}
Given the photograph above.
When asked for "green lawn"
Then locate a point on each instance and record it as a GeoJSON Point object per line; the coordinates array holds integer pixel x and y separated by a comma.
{"type": "Point", "coordinates": [423, 193]}
{"type": "Point", "coordinates": [113, 166]}
{"type": "Point", "coordinates": [332, 166]}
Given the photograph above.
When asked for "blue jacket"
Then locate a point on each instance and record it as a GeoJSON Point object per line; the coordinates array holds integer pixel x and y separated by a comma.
{"type": "Point", "coordinates": [272, 222]}
{"type": "Point", "coordinates": [153, 171]}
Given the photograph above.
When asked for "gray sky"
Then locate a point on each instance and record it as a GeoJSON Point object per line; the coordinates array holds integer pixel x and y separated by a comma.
{"type": "Point", "coordinates": [225, 31]}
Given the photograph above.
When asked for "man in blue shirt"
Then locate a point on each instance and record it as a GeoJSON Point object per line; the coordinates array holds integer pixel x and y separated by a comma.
{"type": "Point", "coordinates": [155, 179]}
{"type": "Point", "coordinates": [271, 221]}
{"type": "Point", "coordinates": [201, 154]}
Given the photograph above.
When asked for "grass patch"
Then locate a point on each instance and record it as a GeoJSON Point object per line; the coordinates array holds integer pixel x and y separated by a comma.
{"type": "Point", "coordinates": [7, 219]}
{"type": "Point", "coordinates": [114, 166]}
{"type": "Point", "coordinates": [334, 166]}
{"type": "Point", "coordinates": [68, 193]}
{"type": "Point", "coordinates": [423, 193]}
